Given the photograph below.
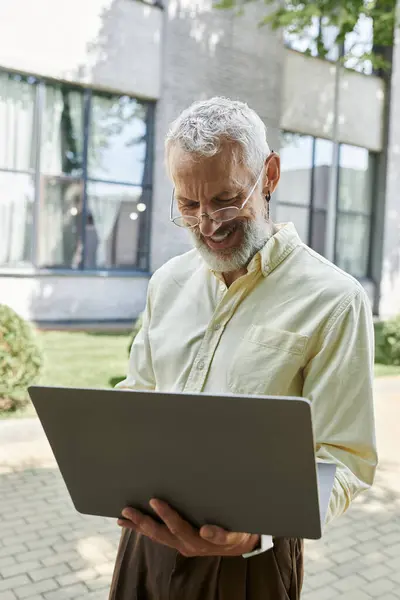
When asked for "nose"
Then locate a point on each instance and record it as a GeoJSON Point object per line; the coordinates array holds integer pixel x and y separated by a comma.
{"type": "Point", "coordinates": [207, 226]}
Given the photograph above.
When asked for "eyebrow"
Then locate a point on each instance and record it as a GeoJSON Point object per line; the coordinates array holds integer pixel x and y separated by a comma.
{"type": "Point", "coordinates": [230, 193]}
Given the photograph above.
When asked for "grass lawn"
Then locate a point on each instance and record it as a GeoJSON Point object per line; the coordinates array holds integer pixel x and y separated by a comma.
{"type": "Point", "coordinates": [80, 359]}
{"type": "Point", "coordinates": [97, 360]}
{"type": "Point", "coordinates": [387, 371]}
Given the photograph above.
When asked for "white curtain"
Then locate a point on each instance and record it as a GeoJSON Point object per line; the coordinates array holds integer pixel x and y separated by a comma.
{"type": "Point", "coordinates": [51, 158]}
{"type": "Point", "coordinates": [16, 208]}
{"type": "Point", "coordinates": [17, 101]}
{"type": "Point", "coordinates": [104, 209]}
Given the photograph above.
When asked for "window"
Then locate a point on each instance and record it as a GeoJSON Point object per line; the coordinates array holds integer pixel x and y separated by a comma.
{"type": "Point", "coordinates": [75, 192]}
{"type": "Point", "coordinates": [353, 228]}
{"type": "Point", "coordinates": [17, 168]}
{"type": "Point", "coordinates": [61, 189]}
{"type": "Point", "coordinates": [303, 192]}
{"type": "Point", "coordinates": [294, 190]}
{"type": "Point", "coordinates": [323, 151]}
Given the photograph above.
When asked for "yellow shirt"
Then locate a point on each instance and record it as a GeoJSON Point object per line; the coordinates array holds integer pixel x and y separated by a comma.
{"type": "Point", "coordinates": [294, 325]}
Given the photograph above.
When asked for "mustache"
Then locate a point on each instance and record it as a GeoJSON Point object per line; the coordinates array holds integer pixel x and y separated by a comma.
{"type": "Point", "coordinates": [223, 228]}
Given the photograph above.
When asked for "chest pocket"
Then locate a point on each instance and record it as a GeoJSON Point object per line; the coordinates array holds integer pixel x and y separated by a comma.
{"type": "Point", "coordinates": [266, 361]}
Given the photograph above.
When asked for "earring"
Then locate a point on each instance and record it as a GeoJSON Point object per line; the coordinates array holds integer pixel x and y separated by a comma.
{"type": "Point", "coordinates": [268, 200]}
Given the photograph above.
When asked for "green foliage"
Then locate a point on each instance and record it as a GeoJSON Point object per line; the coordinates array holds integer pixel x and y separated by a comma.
{"type": "Point", "coordinates": [20, 359]}
{"type": "Point", "coordinates": [136, 328]}
{"type": "Point", "coordinates": [299, 17]}
{"type": "Point", "coordinates": [387, 342]}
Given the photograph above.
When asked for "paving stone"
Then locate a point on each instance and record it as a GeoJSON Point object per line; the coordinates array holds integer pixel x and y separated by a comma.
{"type": "Point", "coordinates": [62, 557]}
{"type": "Point", "coordinates": [69, 592]}
{"type": "Point", "coordinates": [19, 568]}
{"type": "Point", "coordinates": [48, 572]}
{"type": "Point", "coordinates": [13, 550]}
{"type": "Point", "coordinates": [321, 579]}
{"type": "Point", "coordinates": [6, 561]}
{"type": "Point", "coordinates": [38, 554]}
{"type": "Point", "coordinates": [322, 594]}
{"type": "Point", "coordinates": [77, 577]}
{"type": "Point", "coordinates": [355, 595]}
{"type": "Point", "coordinates": [11, 583]}
{"type": "Point", "coordinates": [347, 555]}
{"type": "Point", "coordinates": [376, 572]}
{"type": "Point", "coordinates": [351, 582]}
{"type": "Point", "coordinates": [8, 596]}
{"type": "Point", "coordinates": [393, 550]}
{"type": "Point", "coordinates": [35, 588]}
{"type": "Point", "coordinates": [379, 588]}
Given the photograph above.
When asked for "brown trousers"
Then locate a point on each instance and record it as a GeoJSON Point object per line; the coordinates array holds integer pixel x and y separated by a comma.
{"type": "Point", "coordinates": [147, 571]}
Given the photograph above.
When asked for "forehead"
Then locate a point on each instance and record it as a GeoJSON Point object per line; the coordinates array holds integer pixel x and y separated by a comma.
{"type": "Point", "coordinates": [223, 170]}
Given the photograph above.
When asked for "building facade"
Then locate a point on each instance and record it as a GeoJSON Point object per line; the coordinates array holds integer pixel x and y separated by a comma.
{"type": "Point", "coordinates": [87, 92]}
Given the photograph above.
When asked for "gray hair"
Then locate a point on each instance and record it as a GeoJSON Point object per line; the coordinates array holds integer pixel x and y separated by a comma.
{"type": "Point", "coordinates": [205, 125]}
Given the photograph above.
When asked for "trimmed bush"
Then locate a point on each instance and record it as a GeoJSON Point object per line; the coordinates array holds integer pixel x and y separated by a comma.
{"type": "Point", "coordinates": [136, 328]}
{"type": "Point", "coordinates": [387, 342]}
{"type": "Point", "coordinates": [20, 359]}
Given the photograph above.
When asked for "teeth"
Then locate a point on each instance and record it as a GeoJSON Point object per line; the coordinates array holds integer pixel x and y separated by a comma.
{"type": "Point", "coordinates": [219, 237]}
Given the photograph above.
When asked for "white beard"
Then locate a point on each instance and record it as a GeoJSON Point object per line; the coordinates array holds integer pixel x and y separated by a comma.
{"type": "Point", "coordinates": [255, 235]}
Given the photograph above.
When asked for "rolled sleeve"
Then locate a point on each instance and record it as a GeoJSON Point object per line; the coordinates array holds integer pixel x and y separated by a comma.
{"type": "Point", "coordinates": [339, 384]}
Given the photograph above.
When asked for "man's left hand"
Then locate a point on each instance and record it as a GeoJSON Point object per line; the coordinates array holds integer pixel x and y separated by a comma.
{"type": "Point", "coordinates": [179, 534]}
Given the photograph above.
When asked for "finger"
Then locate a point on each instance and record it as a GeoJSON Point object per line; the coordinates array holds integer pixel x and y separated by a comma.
{"type": "Point", "coordinates": [221, 537]}
{"type": "Point", "coordinates": [131, 514]}
{"type": "Point", "coordinates": [149, 527]}
{"type": "Point", "coordinates": [127, 524]}
{"type": "Point", "coordinates": [176, 525]}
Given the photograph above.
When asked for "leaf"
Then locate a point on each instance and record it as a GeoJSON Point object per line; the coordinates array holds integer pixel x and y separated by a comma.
{"type": "Point", "coordinates": [225, 4]}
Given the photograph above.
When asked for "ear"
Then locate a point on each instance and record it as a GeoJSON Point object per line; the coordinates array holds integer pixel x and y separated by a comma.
{"type": "Point", "coordinates": [272, 173]}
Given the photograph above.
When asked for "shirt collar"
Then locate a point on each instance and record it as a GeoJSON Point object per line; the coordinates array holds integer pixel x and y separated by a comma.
{"type": "Point", "coordinates": [277, 248]}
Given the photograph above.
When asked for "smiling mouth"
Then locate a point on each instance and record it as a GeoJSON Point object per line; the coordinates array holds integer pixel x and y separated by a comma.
{"type": "Point", "coordinates": [220, 237]}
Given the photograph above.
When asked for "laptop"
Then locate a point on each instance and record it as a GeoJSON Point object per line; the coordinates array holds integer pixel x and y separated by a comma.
{"type": "Point", "coordinates": [245, 463]}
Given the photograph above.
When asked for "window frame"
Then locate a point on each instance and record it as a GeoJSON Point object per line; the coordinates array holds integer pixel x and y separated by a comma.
{"type": "Point", "coordinates": [311, 204]}
{"type": "Point", "coordinates": [142, 265]}
{"type": "Point", "coordinates": [373, 156]}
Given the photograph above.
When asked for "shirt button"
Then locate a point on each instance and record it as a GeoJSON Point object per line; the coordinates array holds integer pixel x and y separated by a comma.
{"type": "Point", "coordinates": [200, 365]}
{"type": "Point", "coordinates": [217, 326]}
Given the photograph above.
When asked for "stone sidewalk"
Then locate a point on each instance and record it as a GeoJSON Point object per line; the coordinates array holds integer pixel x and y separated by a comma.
{"type": "Point", "coordinates": [48, 551]}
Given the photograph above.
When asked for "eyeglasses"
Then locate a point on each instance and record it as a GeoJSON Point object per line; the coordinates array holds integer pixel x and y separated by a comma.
{"type": "Point", "coordinates": [218, 216]}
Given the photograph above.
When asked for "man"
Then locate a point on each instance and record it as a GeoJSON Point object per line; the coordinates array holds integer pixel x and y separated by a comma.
{"type": "Point", "coordinates": [250, 310]}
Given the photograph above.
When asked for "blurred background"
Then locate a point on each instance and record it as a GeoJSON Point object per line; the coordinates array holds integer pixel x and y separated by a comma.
{"type": "Point", "coordinates": [87, 92]}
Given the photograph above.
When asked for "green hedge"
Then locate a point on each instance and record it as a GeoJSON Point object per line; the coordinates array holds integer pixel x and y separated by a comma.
{"type": "Point", "coordinates": [20, 359]}
{"type": "Point", "coordinates": [387, 342]}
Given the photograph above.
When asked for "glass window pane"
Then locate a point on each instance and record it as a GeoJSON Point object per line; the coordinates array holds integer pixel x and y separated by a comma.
{"type": "Point", "coordinates": [16, 219]}
{"type": "Point", "coordinates": [297, 215]}
{"type": "Point", "coordinates": [296, 169]}
{"type": "Point", "coordinates": [62, 134]}
{"type": "Point", "coordinates": [355, 179]}
{"type": "Point", "coordinates": [60, 223]}
{"type": "Point", "coordinates": [318, 231]}
{"type": "Point", "coordinates": [17, 122]}
{"type": "Point", "coordinates": [117, 226]}
{"type": "Point", "coordinates": [322, 172]}
{"type": "Point", "coordinates": [352, 244]}
{"type": "Point", "coordinates": [117, 142]}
